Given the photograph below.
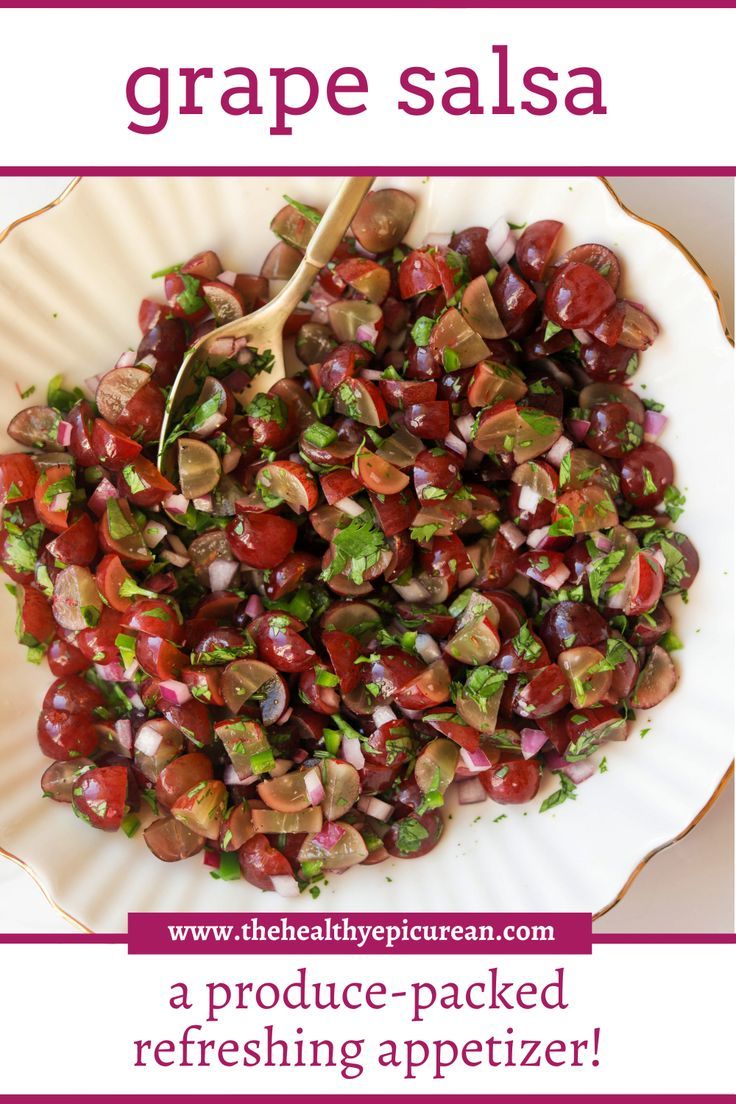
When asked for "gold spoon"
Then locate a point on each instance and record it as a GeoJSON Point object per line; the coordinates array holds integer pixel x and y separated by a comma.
{"type": "Point", "coordinates": [263, 329]}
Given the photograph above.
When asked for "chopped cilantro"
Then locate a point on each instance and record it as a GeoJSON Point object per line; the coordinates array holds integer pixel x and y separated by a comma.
{"type": "Point", "coordinates": [357, 547]}
{"type": "Point", "coordinates": [525, 645]}
{"type": "Point", "coordinates": [566, 792]}
{"type": "Point", "coordinates": [674, 502]}
{"type": "Point", "coordinates": [270, 408]}
{"type": "Point", "coordinates": [410, 835]}
{"type": "Point", "coordinates": [600, 569]}
{"type": "Point", "coordinates": [424, 532]}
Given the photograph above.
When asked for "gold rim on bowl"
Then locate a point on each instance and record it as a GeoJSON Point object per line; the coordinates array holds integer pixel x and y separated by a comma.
{"type": "Point", "coordinates": [729, 772]}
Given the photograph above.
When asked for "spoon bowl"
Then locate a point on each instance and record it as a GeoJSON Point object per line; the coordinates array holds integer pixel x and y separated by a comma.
{"type": "Point", "coordinates": [259, 336]}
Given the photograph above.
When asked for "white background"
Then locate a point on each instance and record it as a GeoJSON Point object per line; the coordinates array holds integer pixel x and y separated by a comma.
{"type": "Point", "coordinates": [69, 1020]}
{"type": "Point", "coordinates": [667, 83]}
{"type": "Point", "coordinates": [689, 887]}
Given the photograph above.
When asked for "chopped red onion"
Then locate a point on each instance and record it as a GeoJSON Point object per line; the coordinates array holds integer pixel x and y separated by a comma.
{"type": "Point", "coordinates": [177, 693]}
{"type": "Point", "coordinates": [285, 885]}
{"type": "Point", "coordinates": [583, 337]}
{"type": "Point", "coordinates": [221, 573]}
{"type": "Point", "coordinates": [313, 785]}
{"type": "Point", "coordinates": [366, 332]}
{"type": "Point", "coordinates": [528, 499]}
{"type": "Point", "coordinates": [617, 600]}
{"type": "Point", "coordinates": [578, 428]}
{"type": "Point", "coordinates": [578, 772]}
{"type": "Point", "coordinates": [557, 578]}
{"type": "Point", "coordinates": [148, 739]}
{"type": "Point", "coordinates": [532, 741]}
{"type": "Point", "coordinates": [370, 374]}
{"type": "Point", "coordinates": [501, 241]}
{"type": "Point", "coordinates": [64, 433]}
{"type": "Point", "coordinates": [559, 451]}
{"type": "Point", "coordinates": [457, 444]}
{"type": "Point", "coordinates": [231, 777]}
{"type": "Point", "coordinates": [131, 670]}
{"type": "Point", "coordinates": [476, 761]}
{"type": "Point", "coordinates": [134, 698]}
{"type": "Point", "coordinates": [602, 542]}
{"type": "Point", "coordinates": [176, 504]}
{"type": "Point", "coordinates": [124, 732]}
{"type": "Point", "coordinates": [126, 359]}
{"type": "Point", "coordinates": [464, 426]}
{"type": "Point", "coordinates": [382, 715]}
{"type": "Point", "coordinates": [350, 506]}
{"type": "Point", "coordinates": [470, 791]}
{"type": "Point", "coordinates": [153, 533]}
{"type": "Point", "coordinates": [111, 672]}
{"type": "Point", "coordinates": [204, 504]}
{"type": "Point", "coordinates": [60, 501]}
{"type": "Point", "coordinates": [513, 534]}
{"type": "Point", "coordinates": [659, 556]}
{"type": "Point", "coordinates": [174, 558]}
{"type": "Point", "coordinates": [321, 298]}
{"type": "Point", "coordinates": [411, 714]}
{"type": "Point", "coordinates": [254, 606]}
{"type": "Point", "coordinates": [285, 715]}
{"type": "Point", "coordinates": [228, 277]}
{"type": "Point", "coordinates": [100, 495]}
{"type": "Point", "coordinates": [413, 591]}
{"type": "Point", "coordinates": [374, 807]}
{"type": "Point", "coordinates": [209, 425]}
{"type": "Point", "coordinates": [352, 752]}
{"type": "Point", "coordinates": [427, 648]}
{"type": "Point", "coordinates": [329, 835]}
{"type": "Point", "coordinates": [654, 425]}
{"type": "Point", "coordinates": [538, 537]}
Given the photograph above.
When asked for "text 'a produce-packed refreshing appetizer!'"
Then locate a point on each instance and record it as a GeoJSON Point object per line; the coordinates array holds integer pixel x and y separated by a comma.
{"type": "Point", "coordinates": [436, 558]}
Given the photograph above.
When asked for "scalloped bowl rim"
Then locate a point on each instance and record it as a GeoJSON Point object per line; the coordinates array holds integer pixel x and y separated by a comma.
{"type": "Point", "coordinates": [539, 871]}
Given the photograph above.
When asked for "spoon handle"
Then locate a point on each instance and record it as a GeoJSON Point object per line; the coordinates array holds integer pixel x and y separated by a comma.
{"type": "Point", "coordinates": [337, 219]}
{"type": "Point", "coordinates": [325, 240]}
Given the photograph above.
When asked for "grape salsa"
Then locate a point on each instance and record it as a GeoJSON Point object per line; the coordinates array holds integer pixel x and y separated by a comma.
{"type": "Point", "coordinates": [434, 559]}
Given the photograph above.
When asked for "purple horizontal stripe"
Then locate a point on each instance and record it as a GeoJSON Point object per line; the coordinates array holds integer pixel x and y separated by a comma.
{"type": "Point", "coordinates": [367, 170]}
{"type": "Point", "coordinates": [72, 937]}
{"type": "Point", "coordinates": [359, 933]}
{"type": "Point", "coordinates": [689, 937]}
{"type": "Point", "coordinates": [390, 1098]}
{"type": "Point", "coordinates": [612, 938]}
{"type": "Point", "coordinates": [540, 5]}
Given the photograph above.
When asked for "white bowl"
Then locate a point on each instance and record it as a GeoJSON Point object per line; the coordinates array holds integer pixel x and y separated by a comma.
{"type": "Point", "coordinates": [70, 284]}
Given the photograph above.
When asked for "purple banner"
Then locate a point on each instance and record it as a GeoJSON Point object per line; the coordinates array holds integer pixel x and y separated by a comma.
{"type": "Point", "coordinates": [359, 933]}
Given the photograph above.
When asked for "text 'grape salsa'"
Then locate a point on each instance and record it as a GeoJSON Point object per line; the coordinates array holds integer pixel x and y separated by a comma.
{"type": "Point", "coordinates": [435, 558]}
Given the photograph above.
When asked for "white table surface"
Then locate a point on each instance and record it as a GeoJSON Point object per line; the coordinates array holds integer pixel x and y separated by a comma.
{"type": "Point", "coordinates": [688, 887]}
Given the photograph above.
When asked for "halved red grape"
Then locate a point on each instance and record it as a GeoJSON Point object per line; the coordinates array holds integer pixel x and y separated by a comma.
{"type": "Point", "coordinates": [577, 296]}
